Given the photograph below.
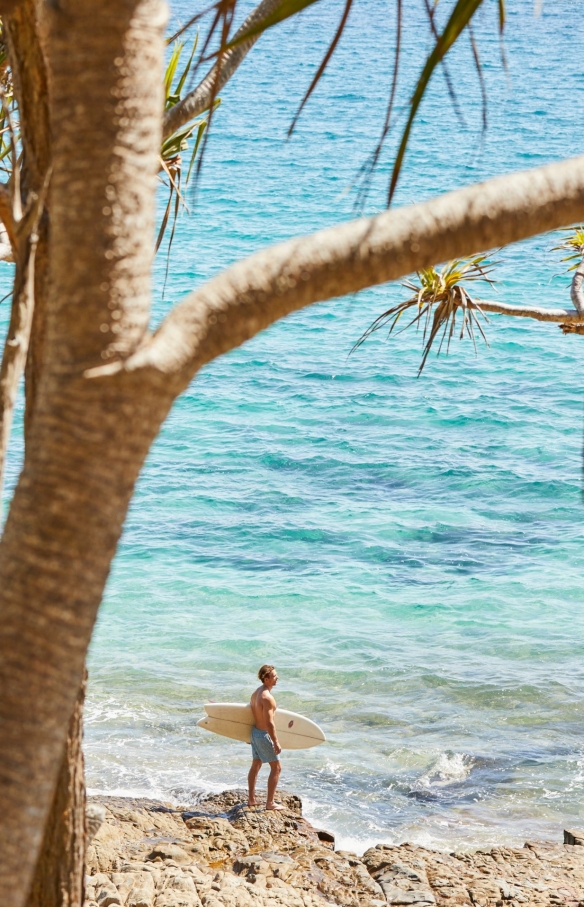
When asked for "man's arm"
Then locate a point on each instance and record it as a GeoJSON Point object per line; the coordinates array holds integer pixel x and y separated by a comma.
{"type": "Point", "coordinates": [269, 704]}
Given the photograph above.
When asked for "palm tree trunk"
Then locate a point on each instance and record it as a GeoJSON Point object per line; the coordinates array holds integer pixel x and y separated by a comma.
{"type": "Point", "coordinates": [88, 437]}
{"type": "Point", "coordinates": [59, 879]}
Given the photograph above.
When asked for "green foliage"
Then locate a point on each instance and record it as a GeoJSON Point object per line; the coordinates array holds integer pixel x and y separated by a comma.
{"type": "Point", "coordinates": [439, 295]}
{"type": "Point", "coordinates": [573, 243]}
{"type": "Point", "coordinates": [188, 139]}
{"type": "Point", "coordinates": [223, 13]}
{"type": "Point", "coordinates": [285, 10]}
{"type": "Point", "coordinates": [179, 141]}
{"type": "Point", "coordinates": [458, 21]}
{"type": "Point", "coordinates": [173, 95]}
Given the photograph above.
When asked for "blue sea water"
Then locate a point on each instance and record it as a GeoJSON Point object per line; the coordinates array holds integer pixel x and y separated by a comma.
{"type": "Point", "coordinates": [408, 551]}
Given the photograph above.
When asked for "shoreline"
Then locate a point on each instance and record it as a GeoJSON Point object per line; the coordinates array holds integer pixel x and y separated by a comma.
{"type": "Point", "coordinates": [219, 853]}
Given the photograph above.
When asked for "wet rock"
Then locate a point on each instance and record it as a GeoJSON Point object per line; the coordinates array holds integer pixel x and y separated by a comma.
{"type": "Point", "coordinates": [574, 837]}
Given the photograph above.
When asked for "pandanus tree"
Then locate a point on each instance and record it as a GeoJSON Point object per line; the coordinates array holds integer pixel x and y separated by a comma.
{"type": "Point", "coordinates": [88, 121]}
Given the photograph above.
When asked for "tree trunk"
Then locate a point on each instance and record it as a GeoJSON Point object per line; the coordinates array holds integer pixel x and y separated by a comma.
{"type": "Point", "coordinates": [59, 879]}
{"type": "Point", "coordinates": [88, 437]}
{"type": "Point", "coordinates": [36, 344]}
{"type": "Point", "coordinates": [27, 61]}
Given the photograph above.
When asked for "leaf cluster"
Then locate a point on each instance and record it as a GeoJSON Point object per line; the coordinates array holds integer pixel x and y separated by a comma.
{"type": "Point", "coordinates": [188, 139]}
{"type": "Point", "coordinates": [573, 243]}
{"type": "Point", "coordinates": [222, 15]}
{"type": "Point", "coordinates": [439, 297]}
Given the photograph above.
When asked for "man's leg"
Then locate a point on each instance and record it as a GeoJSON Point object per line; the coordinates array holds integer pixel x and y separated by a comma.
{"type": "Point", "coordinates": [251, 780]}
{"type": "Point", "coordinates": [275, 769]}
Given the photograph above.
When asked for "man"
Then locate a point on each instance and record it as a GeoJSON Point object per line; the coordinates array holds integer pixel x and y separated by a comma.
{"type": "Point", "coordinates": [264, 739]}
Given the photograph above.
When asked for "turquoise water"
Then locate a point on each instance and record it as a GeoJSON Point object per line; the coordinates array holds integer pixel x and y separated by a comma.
{"type": "Point", "coordinates": [408, 552]}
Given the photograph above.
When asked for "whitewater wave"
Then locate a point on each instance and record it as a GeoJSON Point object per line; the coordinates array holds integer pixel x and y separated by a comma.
{"type": "Point", "coordinates": [448, 768]}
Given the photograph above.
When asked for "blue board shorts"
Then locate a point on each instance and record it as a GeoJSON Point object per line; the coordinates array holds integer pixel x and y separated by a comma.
{"type": "Point", "coordinates": [262, 747]}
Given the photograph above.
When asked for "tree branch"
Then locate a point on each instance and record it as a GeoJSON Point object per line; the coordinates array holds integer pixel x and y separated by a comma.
{"type": "Point", "coordinates": [259, 290]}
{"type": "Point", "coordinates": [7, 218]}
{"type": "Point", "coordinates": [21, 316]}
{"type": "Point", "coordinates": [559, 316]}
{"type": "Point", "coordinates": [30, 82]}
{"type": "Point", "coordinates": [16, 346]}
{"type": "Point", "coordinates": [201, 98]}
{"type": "Point", "coordinates": [577, 288]}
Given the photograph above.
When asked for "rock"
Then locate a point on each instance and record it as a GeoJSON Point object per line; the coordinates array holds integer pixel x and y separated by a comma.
{"type": "Point", "coordinates": [177, 899]}
{"type": "Point", "coordinates": [94, 819]}
{"type": "Point", "coordinates": [169, 852]}
{"type": "Point", "coordinates": [142, 894]}
{"type": "Point", "coordinates": [223, 854]}
{"type": "Point", "coordinates": [574, 837]}
{"type": "Point", "coordinates": [325, 836]}
{"type": "Point", "coordinates": [395, 895]}
{"type": "Point", "coordinates": [107, 894]}
{"type": "Point", "coordinates": [124, 882]}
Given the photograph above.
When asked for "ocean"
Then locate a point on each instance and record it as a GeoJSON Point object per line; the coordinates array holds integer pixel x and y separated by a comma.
{"type": "Point", "coordinates": [408, 551]}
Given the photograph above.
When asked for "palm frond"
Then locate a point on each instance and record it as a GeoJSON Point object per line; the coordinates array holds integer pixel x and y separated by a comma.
{"type": "Point", "coordinates": [458, 21]}
{"type": "Point", "coordinates": [323, 65]}
{"type": "Point", "coordinates": [573, 243]}
{"type": "Point", "coordinates": [284, 10]}
{"type": "Point", "coordinates": [171, 152]}
{"type": "Point", "coordinates": [438, 297]}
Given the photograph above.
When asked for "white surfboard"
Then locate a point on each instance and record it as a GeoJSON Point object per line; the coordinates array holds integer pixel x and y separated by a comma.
{"type": "Point", "coordinates": [230, 719]}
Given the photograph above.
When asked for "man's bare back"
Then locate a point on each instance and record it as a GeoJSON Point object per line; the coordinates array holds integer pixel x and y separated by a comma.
{"type": "Point", "coordinates": [264, 738]}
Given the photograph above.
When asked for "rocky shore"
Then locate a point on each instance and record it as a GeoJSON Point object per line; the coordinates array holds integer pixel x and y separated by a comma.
{"type": "Point", "coordinates": [222, 854]}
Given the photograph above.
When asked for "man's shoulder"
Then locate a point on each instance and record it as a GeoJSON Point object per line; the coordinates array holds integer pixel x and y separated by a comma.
{"type": "Point", "coordinates": [267, 697]}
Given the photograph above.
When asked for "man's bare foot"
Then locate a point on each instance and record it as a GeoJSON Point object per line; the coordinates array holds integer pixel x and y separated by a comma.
{"type": "Point", "coordinates": [275, 806]}
{"type": "Point", "coordinates": [251, 803]}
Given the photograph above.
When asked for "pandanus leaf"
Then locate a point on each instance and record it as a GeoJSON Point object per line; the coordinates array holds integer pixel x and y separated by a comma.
{"type": "Point", "coordinates": [459, 19]}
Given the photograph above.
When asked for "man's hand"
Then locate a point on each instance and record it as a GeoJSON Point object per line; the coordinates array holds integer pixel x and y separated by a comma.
{"type": "Point", "coordinates": [269, 704]}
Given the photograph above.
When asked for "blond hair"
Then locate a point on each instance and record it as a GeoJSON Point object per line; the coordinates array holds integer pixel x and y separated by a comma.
{"type": "Point", "coordinates": [265, 671]}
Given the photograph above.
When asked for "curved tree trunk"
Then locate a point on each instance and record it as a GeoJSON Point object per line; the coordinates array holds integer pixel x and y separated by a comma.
{"type": "Point", "coordinates": [59, 879]}
{"type": "Point", "coordinates": [88, 438]}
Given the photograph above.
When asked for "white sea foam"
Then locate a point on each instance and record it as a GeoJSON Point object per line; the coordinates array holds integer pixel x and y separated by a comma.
{"type": "Point", "coordinates": [448, 768]}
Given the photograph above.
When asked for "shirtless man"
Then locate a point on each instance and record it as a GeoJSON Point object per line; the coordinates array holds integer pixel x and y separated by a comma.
{"type": "Point", "coordinates": [264, 740]}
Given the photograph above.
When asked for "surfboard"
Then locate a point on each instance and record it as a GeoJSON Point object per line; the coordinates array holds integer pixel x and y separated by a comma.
{"type": "Point", "coordinates": [231, 719]}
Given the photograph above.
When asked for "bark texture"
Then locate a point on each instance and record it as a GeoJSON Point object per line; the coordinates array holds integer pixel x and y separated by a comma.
{"type": "Point", "coordinates": [59, 879]}
{"type": "Point", "coordinates": [36, 342]}
{"type": "Point", "coordinates": [554, 316]}
{"type": "Point", "coordinates": [88, 439]}
{"type": "Point", "coordinates": [27, 60]}
{"type": "Point", "coordinates": [16, 345]}
{"type": "Point", "coordinates": [577, 288]}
